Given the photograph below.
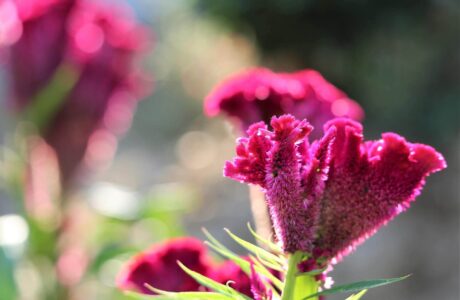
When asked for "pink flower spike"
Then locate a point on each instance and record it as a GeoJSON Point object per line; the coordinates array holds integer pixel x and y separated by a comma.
{"type": "Point", "coordinates": [327, 198]}
{"type": "Point", "coordinates": [258, 94]}
{"type": "Point", "coordinates": [158, 267]}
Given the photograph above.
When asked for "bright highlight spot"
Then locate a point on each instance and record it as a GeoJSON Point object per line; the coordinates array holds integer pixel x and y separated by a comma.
{"type": "Point", "coordinates": [114, 201]}
{"type": "Point", "coordinates": [89, 38]}
{"type": "Point", "coordinates": [10, 25]}
{"type": "Point", "coordinates": [13, 230]}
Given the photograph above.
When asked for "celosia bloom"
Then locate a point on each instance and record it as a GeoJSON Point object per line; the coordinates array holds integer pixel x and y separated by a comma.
{"type": "Point", "coordinates": [101, 43]}
{"type": "Point", "coordinates": [258, 94]}
{"type": "Point", "coordinates": [327, 197]}
{"type": "Point", "coordinates": [158, 267]}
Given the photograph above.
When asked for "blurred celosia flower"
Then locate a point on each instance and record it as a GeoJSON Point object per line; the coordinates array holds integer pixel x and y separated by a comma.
{"type": "Point", "coordinates": [327, 197]}
{"type": "Point", "coordinates": [101, 43]}
{"type": "Point", "coordinates": [158, 267]}
{"type": "Point", "coordinates": [10, 27]}
{"type": "Point", "coordinates": [258, 94]}
{"type": "Point", "coordinates": [40, 48]}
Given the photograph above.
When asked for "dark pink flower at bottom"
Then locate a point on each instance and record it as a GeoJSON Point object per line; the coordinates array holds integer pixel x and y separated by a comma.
{"type": "Point", "coordinates": [158, 267]}
{"type": "Point", "coordinates": [328, 197]}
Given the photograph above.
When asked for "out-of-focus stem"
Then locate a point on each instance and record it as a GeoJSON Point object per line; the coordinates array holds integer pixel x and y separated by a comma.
{"type": "Point", "coordinates": [260, 212]}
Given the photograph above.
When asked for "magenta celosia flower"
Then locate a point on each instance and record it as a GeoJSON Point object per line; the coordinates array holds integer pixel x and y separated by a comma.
{"type": "Point", "coordinates": [327, 197]}
{"type": "Point", "coordinates": [158, 267]}
{"type": "Point", "coordinates": [101, 43]}
{"type": "Point", "coordinates": [258, 94]}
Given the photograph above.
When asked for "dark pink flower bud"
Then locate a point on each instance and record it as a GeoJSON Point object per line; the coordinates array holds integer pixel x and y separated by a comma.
{"type": "Point", "coordinates": [258, 94]}
{"type": "Point", "coordinates": [328, 197]}
{"type": "Point", "coordinates": [158, 267]}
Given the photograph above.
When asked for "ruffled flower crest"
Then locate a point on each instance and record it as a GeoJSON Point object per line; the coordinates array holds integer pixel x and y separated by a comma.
{"type": "Point", "coordinates": [328, 197]}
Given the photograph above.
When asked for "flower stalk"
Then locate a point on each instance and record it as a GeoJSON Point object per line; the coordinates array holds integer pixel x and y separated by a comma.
{"type": "Point", "coordinates": [298, 286]}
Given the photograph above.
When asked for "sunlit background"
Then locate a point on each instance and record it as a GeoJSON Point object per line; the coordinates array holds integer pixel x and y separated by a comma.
{"type": "Point", "coordinates": [399, 59]}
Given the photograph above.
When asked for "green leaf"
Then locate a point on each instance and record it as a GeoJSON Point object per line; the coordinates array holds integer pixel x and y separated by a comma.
{"type": "Point", "coordinates": [259, 252]}
{"type": "Point", "coordinates": [163, 295]}
{"type": "Point", "coordinates": [357, 286]}
{"type": "Point", "coordinates": [357, 296]}
{"type": "Point", "coordinates": [276, 267]}
{"type": "Point", "coordinates": [313, 272]}
{"type": "Point", "coordinates": [242, 263]}
{"type": "Point", "coordinates": [261, 269]}
{"type": "Point", "coordinates": [213, 285]}
{"type": "Point", "coordinates": [224, 251]}
{"type": "Point", "coordinates": [272, 246]}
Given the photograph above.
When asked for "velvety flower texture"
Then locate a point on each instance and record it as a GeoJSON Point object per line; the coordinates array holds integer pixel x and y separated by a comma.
{"type": "Point", "coordinates": [101, 44]}
{"type": "Point", "coordinates": [327, 197]}
{"type": "Point", "coordinates": [258, 94]}
{"type": "Point", "coordinates": [158, 267]}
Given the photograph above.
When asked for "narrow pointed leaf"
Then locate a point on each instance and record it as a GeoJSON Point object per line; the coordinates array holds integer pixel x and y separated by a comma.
{"type": "Point", "coordinates": [313, 272]}
{"type": "Point", "coordinates": [261, 269]}
{"type": "Point", "coordinates": [214, 285]}
{"type": "Point", "coordinates": [357, 296]}
{"type": "Point", "coordinates": [214, 244]}
{"type": "Point", "coordinates": [182, 295]}
{"type": "Point", "coordinates": [255, 249]}
{"type": "Point", "coordinates": [357, 286]}
{"type": "Point", "coordinates": [244, 265]}
{"type": "Point", "coordinates": [269, 265]}
{"type": "Point", "coordinates": [272, 246]}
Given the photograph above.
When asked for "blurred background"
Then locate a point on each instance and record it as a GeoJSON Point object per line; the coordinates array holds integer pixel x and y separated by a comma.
{"type": "Point", "coordinates": [399, 59]}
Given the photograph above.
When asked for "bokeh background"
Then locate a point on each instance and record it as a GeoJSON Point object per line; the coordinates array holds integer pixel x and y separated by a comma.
{"type": "Point", "coordinates": [399, 59]}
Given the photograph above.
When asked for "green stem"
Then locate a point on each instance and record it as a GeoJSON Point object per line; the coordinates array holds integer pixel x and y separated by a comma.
{"type": "Point", "coordinates": [290, 280]}
{"type": "Point", "coordinates": [297, 286]}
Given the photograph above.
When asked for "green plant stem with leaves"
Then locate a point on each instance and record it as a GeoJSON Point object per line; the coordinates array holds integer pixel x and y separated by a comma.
{"type": "Point", "coordinates": [298, 286]}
